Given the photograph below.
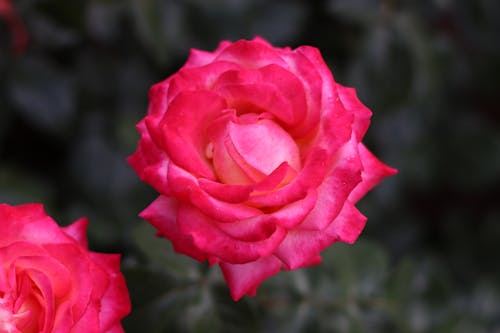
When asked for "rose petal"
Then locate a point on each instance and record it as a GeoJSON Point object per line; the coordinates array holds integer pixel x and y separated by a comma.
{"type": "Point", "coordinates": [162, 213]}
{"type": "Point", "coordinates": [282, 175]}
{"type": "Point", "coordinates": [185, 187]}
{"type": "Point", "coordinates": [224, 192]}
{"type": "Point", "coordinates": [301, 247]}
{"type": "Point", "coordinates": [115, 303]}
{"type": "Point", "coordinates": [264, 145]}
{"type": "Point", "coordinates": [312, 83]}
{"type": "Point", "coordinates": [244, 279]}
{"type": "Point", "coordinates": [250, 55]}
{"type": "Point", "coordinates": [362, 114]}
{"type": "Point", "coordinates": [149, 162]}
{"type": "Point", "coordinates": [336, 187]}
{"type": "Point", "coordinates": [373, 173]}
{"type": "Point", "coordinates": [78, 231]}
{"type": "Point", "coordinates": [183, 130]}
{"type": "Point", "coordinates": [46, 298]}
{"type": "Point", "coordinates": [310, 177]}
{"type": "Point", "coordinates": [213, 241]}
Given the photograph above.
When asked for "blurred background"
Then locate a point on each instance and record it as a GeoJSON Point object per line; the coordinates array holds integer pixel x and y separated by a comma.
{"type": "Point", "coordinates": [428, 260]}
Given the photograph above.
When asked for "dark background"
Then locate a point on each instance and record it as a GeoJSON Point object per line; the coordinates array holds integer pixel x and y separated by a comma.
{"type": "Point", "coordinates": [428, 260]}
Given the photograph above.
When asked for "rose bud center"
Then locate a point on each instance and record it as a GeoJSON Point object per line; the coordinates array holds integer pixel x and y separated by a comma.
{"type": "Point", "coordinates": [246, 152]}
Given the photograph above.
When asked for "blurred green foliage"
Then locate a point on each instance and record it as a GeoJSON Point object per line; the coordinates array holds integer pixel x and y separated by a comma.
{"type": "Point", "coordinates": [428, 258]}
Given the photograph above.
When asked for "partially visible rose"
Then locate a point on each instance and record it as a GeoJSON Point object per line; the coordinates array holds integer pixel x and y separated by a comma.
{"type": "Point", "coordinates": [256, 152]}
{"type": "Point", "coordinates": [50, 282]}
{"type": "Point", "coordinates": [15, 25]}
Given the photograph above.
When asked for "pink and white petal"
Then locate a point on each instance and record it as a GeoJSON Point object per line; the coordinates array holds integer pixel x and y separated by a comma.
{"type": "Point", "coordinates": [186, 188]}
{"type": "Point", "coordinates": [362, 114]}
{"type": "Point", "coordinates": [262, 226]}
{"type": "Point", "coordinates": [292, 215]}
{"type": "Point", "coordinates": [225, 192]}
{"type": "Point", "coordinates": [312, 82]}
{"type": "Point", "coordinates": [244, 279]}
{"type": "Point", "coordinates": [14, 219]}
{"type": "Point", "coordinates": [264, 155]}
{"type": "Point", "coordinates": [200, 58]}
{"type": "Point", "coordinates": [254, 229]}
{"type": "Point", "coordinates": [291, 88]}
{"type": "Point", "coordinates": [257, 98]}
{"type": "Point", "coordinates": [310, 177]}
{"type": "Point", "coordinates": [79, 265]}
{"type": "Point", "coordinates": [158, 98]}
{"type": "Point", "coordinates": [45, 297]}
{"type": "Point", "coordinates": [56, 273]}
{"type": "Point", "coordinates": [198, 78]}
{"type": "Point", "coordinates": [301, 247]}
{"type": "Point", "coordinates": [250, 55]}
{"type": "Point", "coordinates": [183, 130]}
{"type": "Point", "coordinates": [213, 241]}
{"type": "Point", "coordinates": [156, 176]}
{"type": "Point", "coordinates": [348, 225]}
{"type": "Point", "coordinates": [89, 322]}
{"type": "Point", "coordinates": [147, 153]}
{"type": "Point", "coordinates": [78, 231]}
{"type": "Point", "coordinates": [374, 171]}
{"type": "Point", "coordinates": [336, 187]}
{"type": "Point", "coordinates": [115, 303]}
{"type": "Point", "coordinates": [162, 214]}
{"type": "Point", "coordinates": [281, 176]}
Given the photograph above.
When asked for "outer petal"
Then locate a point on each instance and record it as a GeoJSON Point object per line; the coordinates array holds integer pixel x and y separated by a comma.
{"type": "Point", "coordinates": [301, 247]}
{"type": "Point", "coordinates": [185, 187]}
{"type": "Point", "coordinates": [115, 303]}
{"type": "Point", "coordinates": [244, 279]}
{"type": "Point", "coordinates": [208, 238]}
{"type": "Point", "coordinates": [162, 214]}
{"type": "Point", "coordinates": [262, 226]}
{"type": "Point", "coordinates": [78, 231]}
{"type": "Point", "coordinates": [362, 113]}
{"type": "Point", "coordinates": [373, 173]}
{"type": "Point", "coordinates": [149, 162]}
{"type": "Point", "coordinates": [250, 55]}
{"type": "Point", "coordinates": [336, 187]}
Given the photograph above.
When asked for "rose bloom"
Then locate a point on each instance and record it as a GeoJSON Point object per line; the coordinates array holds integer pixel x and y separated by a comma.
{"type": "Point", "coordinates": [256, 153]}
{"type": "Point", "coordinates": [50, 282]}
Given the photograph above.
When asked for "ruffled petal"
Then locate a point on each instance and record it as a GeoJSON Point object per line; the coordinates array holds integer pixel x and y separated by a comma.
{"type": "Point", "coordinates": [186, 188]}
{"type": "Point", "coordinates": [250, 55]}
{"type": "Point", "coordinates": [149, 162]}
{"type": "Point", "coordinates": [183, 130]}
{"type": "Point", "coordinates": [336, 187]}
{"type": "Point", "coordinates": [310, 177]}
{"type": "Point", "coordinates": [115, 303]}
{"type": "Point", "coordinates": [301, 247]}
{"type": "Point", "coordinates": [213, 241]}
{"type": "Point", "coordinates": [244, 279]}
{"type": "Point", "coordinates": [373, 173]}
{"type": "Point", "coordinates": [162, 214]}
{"type": "Point", "coordinates": [225, 192]}
{"type": "Point", "coordinates": [312, 83]}
{"type": "Point", "coordinates": [264, 145]}
{"type": "Point", "coordinates": [78, 231]}
{"type": "Point", "coordinates": [362, 114]}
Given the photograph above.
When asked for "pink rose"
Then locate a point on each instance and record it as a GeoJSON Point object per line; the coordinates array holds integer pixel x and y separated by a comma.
{"type": "Point", "coordinates": [256, 152]}
{"type": "Point", "coordinates": [50, 282]}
